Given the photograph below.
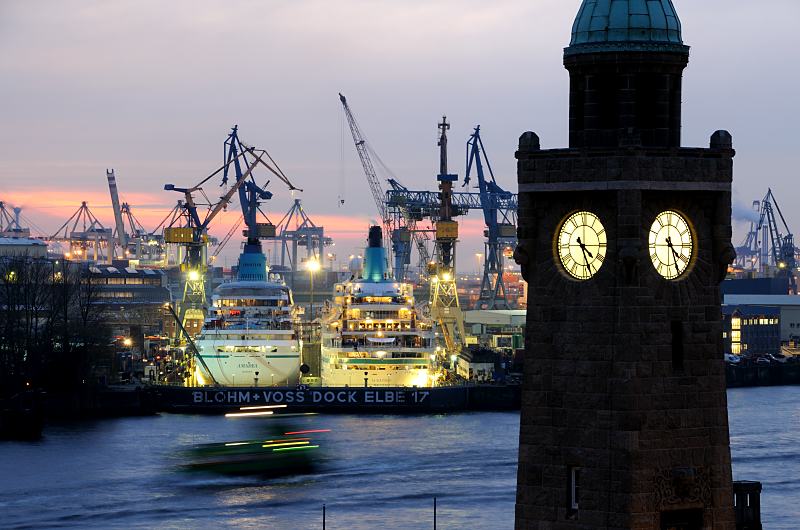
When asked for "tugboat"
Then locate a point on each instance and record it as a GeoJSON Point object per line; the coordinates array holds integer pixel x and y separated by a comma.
{"type": "Point", "coordinates": [373, 334]}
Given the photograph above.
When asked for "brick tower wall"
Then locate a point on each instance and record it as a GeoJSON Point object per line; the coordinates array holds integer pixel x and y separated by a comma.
{"type": "Point", "coordinates": [624, 373]}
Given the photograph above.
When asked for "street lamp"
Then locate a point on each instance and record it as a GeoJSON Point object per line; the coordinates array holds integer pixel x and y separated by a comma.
{"type": "Point", "coordinates": [312, 266]}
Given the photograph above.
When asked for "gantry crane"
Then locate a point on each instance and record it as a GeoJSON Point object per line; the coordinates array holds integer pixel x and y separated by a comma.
{"type": "Point", "coordinates": [85, 234]}
{"type": "Point", "coordinates": [498, 206]}
{"type": "Point", "coordinates": [769, 243]}
{"type": "Point", "coordinates": [501, 230]}
{"type": "Point", "coordinates": [296, 229]}
{"type": "Point", "coordinates": [10, 222]}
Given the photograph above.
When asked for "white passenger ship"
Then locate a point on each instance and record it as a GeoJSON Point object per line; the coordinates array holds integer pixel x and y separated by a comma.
{"type": "Point", "coordinates": [249, 337]}
{"type": "Point", "coordinates": [373, 334]}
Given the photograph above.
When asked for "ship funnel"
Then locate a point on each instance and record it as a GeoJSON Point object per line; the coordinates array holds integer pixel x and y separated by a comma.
{"type": "Point", "coordinates": [375, 257]}
{"type": "Point", "coordinates": [375, 237]}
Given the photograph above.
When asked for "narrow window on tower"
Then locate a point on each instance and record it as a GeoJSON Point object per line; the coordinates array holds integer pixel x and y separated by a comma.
{"type": "Point", "coordinates": [574, 489]}
{"type": "Point", "coordinates": [677, 346]}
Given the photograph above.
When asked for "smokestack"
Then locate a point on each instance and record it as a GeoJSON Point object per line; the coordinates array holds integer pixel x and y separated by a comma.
{"type": "Point", "coordinates": [375, 237]}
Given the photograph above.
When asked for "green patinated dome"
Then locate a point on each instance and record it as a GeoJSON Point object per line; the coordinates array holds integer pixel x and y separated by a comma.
{"type": "Point", "coordinates": [626, 24]}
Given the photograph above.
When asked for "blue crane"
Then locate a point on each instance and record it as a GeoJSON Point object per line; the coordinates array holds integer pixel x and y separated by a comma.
{"type": "Point", "coordinates": [252, 262]}
{"type": "Point", "coordinates": [770, 242]}
{"type": "Point", "coordinates": [501, 230]}
{"type": "Point", "coordinates": [190, 230]}
{"type": "Point", "coordinates": [401, 228]}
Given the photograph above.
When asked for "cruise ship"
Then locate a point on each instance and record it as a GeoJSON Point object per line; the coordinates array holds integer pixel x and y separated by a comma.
{"type": "Point", "coordinates": [372, 332]}
{"type": "Point", "coordinates": [249, 337]}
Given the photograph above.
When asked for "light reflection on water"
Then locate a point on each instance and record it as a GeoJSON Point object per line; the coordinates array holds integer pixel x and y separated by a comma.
{"type": "Point", "coordinates": [378, 472]}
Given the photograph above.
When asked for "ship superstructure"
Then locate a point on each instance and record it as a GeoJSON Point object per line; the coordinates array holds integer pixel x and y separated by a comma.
{"type": "Point", "coordinates": [373, 334]}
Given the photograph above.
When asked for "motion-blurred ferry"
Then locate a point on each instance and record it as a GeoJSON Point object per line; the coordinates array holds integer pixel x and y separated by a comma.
{"type": "Point", "coordinates": [372, 332]}
{"type": "Point", "coordinates": [249, 338]}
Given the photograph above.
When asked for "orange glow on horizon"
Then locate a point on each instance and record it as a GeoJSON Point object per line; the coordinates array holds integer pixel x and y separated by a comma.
{"type": "Point", "coordinates": [150, 209]}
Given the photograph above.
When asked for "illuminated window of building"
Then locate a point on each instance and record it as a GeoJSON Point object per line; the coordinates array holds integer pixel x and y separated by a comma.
{"type": "Point", "coordinates": [736, 335]}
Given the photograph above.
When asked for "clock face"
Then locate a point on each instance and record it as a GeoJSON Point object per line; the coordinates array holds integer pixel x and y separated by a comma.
{"type": "Point", "coordinates": [581, 245]}
{"type": "Point", "coordinates": [671, 244]}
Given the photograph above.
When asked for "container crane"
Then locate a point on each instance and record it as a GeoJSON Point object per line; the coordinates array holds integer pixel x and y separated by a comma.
{"type": "Point", "coordinates": [85, 234]}
{"type": "Point", "coordinates": [10, 224]}
{"type": "Point", "coordinates": [501, 230]}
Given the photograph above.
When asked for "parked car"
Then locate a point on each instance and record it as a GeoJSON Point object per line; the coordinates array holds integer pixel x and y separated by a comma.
{"type": "Point", "coordinates": [761, 361]}
{"type": "Point", "coordinates": [778, 358]}
{"type": "Point", "coordinates": [733, 359]}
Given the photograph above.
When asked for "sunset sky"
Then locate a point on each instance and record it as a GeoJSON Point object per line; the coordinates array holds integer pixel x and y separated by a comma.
{"type": "Point", "coordinates": [151, 88]}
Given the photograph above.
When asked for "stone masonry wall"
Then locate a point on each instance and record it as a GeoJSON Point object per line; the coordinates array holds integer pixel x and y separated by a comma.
{"type": "Point", "coordinates": [601, 390]}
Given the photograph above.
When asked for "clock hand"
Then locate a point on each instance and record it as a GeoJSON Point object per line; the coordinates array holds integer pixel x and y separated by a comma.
{"type": "Point", "coordinates": [584, 249]}
{"type": "Point", "coordinates": [674, 254]}
{"type": "Point", "coordinates": [585, 257]}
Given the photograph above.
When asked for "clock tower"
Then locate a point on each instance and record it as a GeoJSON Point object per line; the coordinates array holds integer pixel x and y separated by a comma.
{"type": "Point", "coordinates": [624, 238]}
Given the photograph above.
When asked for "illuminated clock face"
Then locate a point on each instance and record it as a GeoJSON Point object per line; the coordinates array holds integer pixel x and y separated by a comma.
{"type": "Point", "coordinates": [582, 245]}
{"type": "Point", "coordinates": [671, 244]}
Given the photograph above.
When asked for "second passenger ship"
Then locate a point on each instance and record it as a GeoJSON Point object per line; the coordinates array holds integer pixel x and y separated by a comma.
{"type": "Point", "coordinates": [373, 334]}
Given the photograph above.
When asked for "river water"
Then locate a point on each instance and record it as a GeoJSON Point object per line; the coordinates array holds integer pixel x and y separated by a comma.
{"type": "Point", "coordinates": [378, 472]}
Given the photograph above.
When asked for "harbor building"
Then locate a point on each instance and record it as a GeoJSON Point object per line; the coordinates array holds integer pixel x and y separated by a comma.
{"type": "Point", "coordinates": [749, 329]}
{"type": "Point", "coordinates": [130, 300]}
{"type": "Point", "coordinates": [624, 239]}
{"type": "Point", "coordinates": [788, 311]}
{"type": "Point", "coordinates": [22, 247]}
{"type": "Point", "coordinates": [501, 329]}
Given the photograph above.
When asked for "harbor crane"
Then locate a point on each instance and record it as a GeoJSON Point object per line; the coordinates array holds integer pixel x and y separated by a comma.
{"type": "Point", "coordinates": [444, 305]}
{"type": "Point", "coordinates": [10, 222]}
{"type": "Point", "coordinates": [134, 241]}
{"type": "Point", "coordinates": [501, 230]}
{"type": "Point", "coordinates": [86, 236]}
{"type": "Point", "coordinates": [296, 229]}
{"type": "Point", "coordinates": [401, 227]}
{"type": "Point", "coordinates": [190, 230]}
{"type": "Point", "coordinates": [251, 196]}
{"type": "Point", "coordinates": [769, 244]}
{"type": "Point", "coordinates": [499, 209]}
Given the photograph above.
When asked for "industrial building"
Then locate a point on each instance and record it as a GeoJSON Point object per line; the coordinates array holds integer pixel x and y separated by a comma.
{"type": "Point", "coordinates": [503, 329]}
{"type": "Point", "coordinates": [787, 311]}
{"type": "Point", "coordinates": [131, 300]}
{"type": "Point", "coordinates": [750, 329]}
{"type": "Point", "coordinates": [22, 246]}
